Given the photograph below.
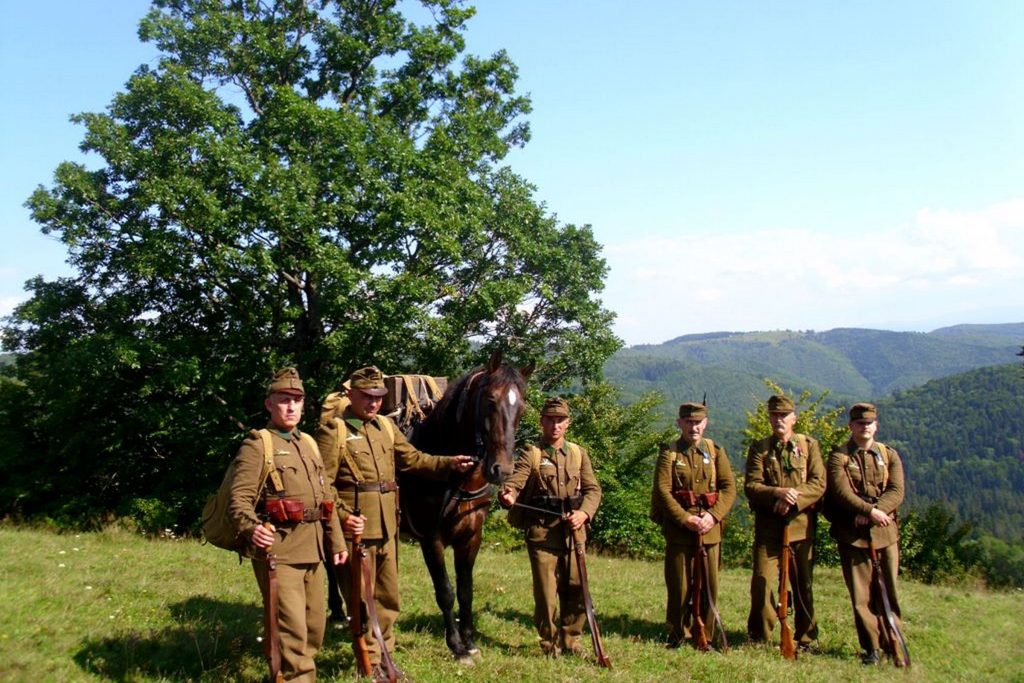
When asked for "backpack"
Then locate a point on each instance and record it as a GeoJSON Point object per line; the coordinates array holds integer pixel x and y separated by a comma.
{"type": "Point", "coordinates": [657, 515]}
{"type": "Point", "coordinates": [218, 529]}
{"type": "Point", "coordinates": [517, 516]}
{"type": "Point", "coordinates": [831, 508]}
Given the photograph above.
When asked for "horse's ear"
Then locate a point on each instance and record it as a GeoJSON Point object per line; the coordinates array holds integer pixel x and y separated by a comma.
{"type": "Point", "coordinates": [527, 370]}
{"type": "Point", "coordinates": [495, 362]}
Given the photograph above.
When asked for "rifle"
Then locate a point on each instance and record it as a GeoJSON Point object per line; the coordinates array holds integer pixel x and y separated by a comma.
{"type": "Point", "coordinates": [892, 636]}
{"type": "Point", "coordinates": [701, 585]}
{"type": "Point", "coordinates": [362, 593]}
{"type": "Point", "coordinates": [786, 643]}
{"type": "Point", "coordinates": [579, 550]}
{"type": "Point", "coordinates": [272, 646]}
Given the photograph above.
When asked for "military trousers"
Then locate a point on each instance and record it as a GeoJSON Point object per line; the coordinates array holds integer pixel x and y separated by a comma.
{"type": "Point", "coordinates": [382, 562]}
{"type": "Point", "coordinates": [764, 585]}
{"type": "Point", "coordinates": [867, 609]}
{"type": "Point", "coordinates": [679, 568]}
{"type": "Point", "coordinates": [559, 611]}
{"type": "Point", "coordinates": [301, 617]}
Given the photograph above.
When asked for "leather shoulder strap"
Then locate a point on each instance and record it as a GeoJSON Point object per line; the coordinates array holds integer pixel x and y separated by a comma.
{"type": "Point", "coordinates": [268, 463]}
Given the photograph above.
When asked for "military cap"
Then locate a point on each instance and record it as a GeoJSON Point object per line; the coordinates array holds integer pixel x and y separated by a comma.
{"type": "Point", "coordinates": [863, 411]}
{"type": "Point", "coordinates": [693, 411]}
{"type": "Point", "coordinates": [780, 404]}
{"type": "Point", "coordinates": [286, 380]}
{"type": "Point", "coordinates": [369, 380]}
{"type": "Point", "coordinates": [556, 407]}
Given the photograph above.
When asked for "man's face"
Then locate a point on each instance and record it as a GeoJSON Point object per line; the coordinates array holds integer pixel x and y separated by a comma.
{"type": "Point", "coordinates": [692, 429]}
{"type": "Point", "coordinates": [782, 424]}
{"type": "Point", "coordinates": [285, 409]}
{"type": "Point", "coordinates": [365, 406]}
{"type": "Point", "coordinates": [553, 428]}
{"type": "Point", "coordinates": [863, 430]}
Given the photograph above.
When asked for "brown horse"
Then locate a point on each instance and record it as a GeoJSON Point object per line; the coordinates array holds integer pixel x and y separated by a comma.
{"type": "Point", "coordinates": [478, 415]}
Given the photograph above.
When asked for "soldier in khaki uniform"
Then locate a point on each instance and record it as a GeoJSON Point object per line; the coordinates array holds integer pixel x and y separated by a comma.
{"type": "Point", "coordinates": [784, 479]}
{"type": "Point", "coordinates": [557, 476]}
{"type": "Point", "coordinates": [302, 531]}
{"type": "Point", "coordinates": [699, 466]}
{"type": "Point", "coordinates": [865, 489]}
{"type": "Point", "coordinates": [367, 458]}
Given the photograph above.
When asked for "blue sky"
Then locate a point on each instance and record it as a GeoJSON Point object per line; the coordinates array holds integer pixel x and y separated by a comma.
{"type": "Point", "coordinates": [746, 165]}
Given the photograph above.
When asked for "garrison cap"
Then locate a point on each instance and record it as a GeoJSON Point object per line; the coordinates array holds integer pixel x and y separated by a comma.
{"type": "Point", "coordinates": [863, 411]}
{"type": "Point", "coordinates": [780, 404]}
{"type": "Point", "coordinates": [286, 380]}
{"type": "Point", "coordinates": [369, 380]}
{"type": "Point", "coordinates": [693, 411]}
{"type": "Point", "coordinates": [555, 407]}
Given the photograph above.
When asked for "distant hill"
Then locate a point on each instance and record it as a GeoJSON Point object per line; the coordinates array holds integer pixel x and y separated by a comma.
{"type": "Point", "coordinates": [962, 441]}
{"type": "Point", "coordinates": [853, 364]}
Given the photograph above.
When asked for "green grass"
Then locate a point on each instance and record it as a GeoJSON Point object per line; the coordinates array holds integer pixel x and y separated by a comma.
{"type": "Point", "coordinates": [114, 606]}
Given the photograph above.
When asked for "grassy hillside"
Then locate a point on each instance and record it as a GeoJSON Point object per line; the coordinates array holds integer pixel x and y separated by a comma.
{"type": "Point", "coordinates": [113, 606]}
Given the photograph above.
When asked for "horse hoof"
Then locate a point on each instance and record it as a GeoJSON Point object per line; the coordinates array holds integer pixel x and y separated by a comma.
{"type": "Point", "coordinates": [466, 660]}
{"type": "Point", "coordinates": [475, 654]}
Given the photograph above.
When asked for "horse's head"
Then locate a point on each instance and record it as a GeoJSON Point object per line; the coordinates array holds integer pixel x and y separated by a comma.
{"type": "Point", "coordinates": [499, 407]}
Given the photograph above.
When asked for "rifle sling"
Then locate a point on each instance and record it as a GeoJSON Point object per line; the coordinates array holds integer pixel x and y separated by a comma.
{"type": "Point", "coordinates": [712, 606]}
{"type": "Point", "coordinates": [371, 611]}
{"type": "Point", "coordinates": [890, 628]}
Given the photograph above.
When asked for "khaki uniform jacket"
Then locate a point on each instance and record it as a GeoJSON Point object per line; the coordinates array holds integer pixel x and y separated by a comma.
{"type": "Point", "coordinates": [552, 478]}
{"type": "Point", "coordinates": [766, 471]}
{"type": "Point", "coordinates": [684, 467]}
{"type": "Point", "coordinates": [370, 447]}
{"type": "Point", "coordinates": [302, 473]}
{"type": "Point", "coordinates": [855, 486]}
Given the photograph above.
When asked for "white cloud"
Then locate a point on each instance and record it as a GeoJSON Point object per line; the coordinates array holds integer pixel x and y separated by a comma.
{"type": "Point", "coordinates": [800, 279]}
{"type": "Point", "coordinates": [8, 304]}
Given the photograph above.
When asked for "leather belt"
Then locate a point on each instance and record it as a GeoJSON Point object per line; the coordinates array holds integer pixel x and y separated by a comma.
{"type": "Point", "coordinates": [376, 486]}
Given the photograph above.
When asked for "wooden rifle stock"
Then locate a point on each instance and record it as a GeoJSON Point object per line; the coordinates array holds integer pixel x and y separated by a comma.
{"type": "Point", "coordinates": [272, 646]}
{"type": "Point", "coordinates": [786, 643]}
{"type": "Point", "coordinates": [893, 642]}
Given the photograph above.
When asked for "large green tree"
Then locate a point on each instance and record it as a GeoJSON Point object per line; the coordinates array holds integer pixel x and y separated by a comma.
{"type": "Point", "coordinates": [310, 182]}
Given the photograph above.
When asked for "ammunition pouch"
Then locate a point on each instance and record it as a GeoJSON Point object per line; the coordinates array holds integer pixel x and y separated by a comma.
{"type": "Point", "coordinates": [293, 511]}
{"type": "Point", "coordinates": [688, 499]}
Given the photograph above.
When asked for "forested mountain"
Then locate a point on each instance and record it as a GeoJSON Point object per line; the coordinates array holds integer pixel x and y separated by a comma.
{"type": "Point", "coordinates": [853, 364]}
{"type": "Point", "coordinates": [962, 441]}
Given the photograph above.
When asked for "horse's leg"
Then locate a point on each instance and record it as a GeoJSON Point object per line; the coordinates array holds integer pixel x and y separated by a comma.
{"type": "Point", "coordinates": [433, 556]}
{"type": "Point", "coordinates": [465, 558]}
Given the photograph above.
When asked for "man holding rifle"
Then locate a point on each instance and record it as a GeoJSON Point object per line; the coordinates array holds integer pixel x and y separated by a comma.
{"type": "Point", "coordinates": [365, 451]}
{"type": "Point", "coordinates": [288, 517]}
{"type": "Point", "coordinates": [557, 495]}
{"type": "Point", "coordinates": [865, 482]}
{"type": "Point", "coordinates": [784, 479]}
{"type": "Point", "coordinates": [693, 491]}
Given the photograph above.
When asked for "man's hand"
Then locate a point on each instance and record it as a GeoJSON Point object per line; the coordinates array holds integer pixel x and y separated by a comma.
{"type": "Point", "coordinates": [706, 522]}
{"type": "Point", "coordinates": [693, 523]}
{"type": "Point", "coordinates": [463, 463]}
{"type": "Point", "coordinates": [507, 498]}
{"type": "Point", "coordinates": [576, 519]}
{"type": "Point", "coordinates": [354, 525]}
{"type": "Point", "coordinates": [790, 496]}
{"type": "Point", "coordinates": [879, 518]}
{"type": "Point", "coordinates": [341, 558]}
{"type": "Point", "coordinates": [263, 536]}
{"type": "Point", "coordinates": [781, 508]}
